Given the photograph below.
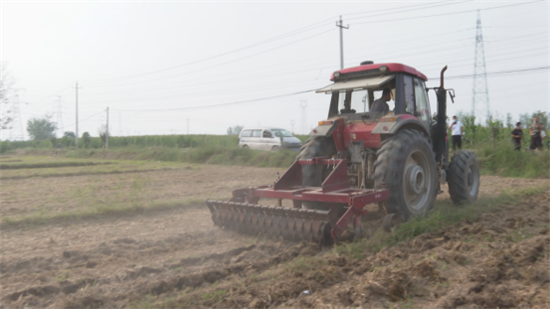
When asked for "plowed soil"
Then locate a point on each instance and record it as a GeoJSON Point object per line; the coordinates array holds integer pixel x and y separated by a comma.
{"type": "Point", "coordinates": [177, 258]}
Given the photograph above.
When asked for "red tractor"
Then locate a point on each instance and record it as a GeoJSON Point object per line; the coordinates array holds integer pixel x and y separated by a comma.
{"type": "Point", "coordinates": [388, 151]}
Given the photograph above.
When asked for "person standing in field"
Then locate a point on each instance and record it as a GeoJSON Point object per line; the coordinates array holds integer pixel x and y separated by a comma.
{"type": "Point", "coordinates": [457, 132]}
{"type": "Point", "coordinates": [517, 136]}
{"type": "Point", "coordinates": [534, 131]}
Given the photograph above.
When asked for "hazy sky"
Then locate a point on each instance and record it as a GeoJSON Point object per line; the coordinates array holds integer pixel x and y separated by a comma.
{"type": "Point", "coordinates": [159, 65]}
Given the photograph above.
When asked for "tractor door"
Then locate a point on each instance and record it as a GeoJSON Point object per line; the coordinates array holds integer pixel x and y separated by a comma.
{"type": "Point", "coordinates": [415, 100]}
{"type": "Point", "coordinates": [422, 103]}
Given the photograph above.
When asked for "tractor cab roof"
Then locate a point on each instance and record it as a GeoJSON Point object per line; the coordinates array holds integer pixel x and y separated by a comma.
{"type": "Point", "coordinates": [375, 69]}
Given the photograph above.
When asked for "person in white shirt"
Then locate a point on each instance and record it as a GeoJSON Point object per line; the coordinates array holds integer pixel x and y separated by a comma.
{"type": "Point", "coordinates": [458, 131]}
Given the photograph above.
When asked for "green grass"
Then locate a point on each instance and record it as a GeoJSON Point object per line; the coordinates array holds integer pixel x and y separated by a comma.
{"type": "Point", "coordinates": [220, 155]}
{"type": "Point", "coordinates": [504, 161]}
{"type": "Point", "coordinates": [223, 150]}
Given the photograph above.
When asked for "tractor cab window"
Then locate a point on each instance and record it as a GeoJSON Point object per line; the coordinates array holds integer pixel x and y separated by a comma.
{"type": "Point", "coordinates": [357, 100]}
{"type": "Point", "coordinates": [360, 100]}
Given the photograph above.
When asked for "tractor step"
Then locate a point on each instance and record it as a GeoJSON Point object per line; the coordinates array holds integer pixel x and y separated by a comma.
{"type": "Point", "coordinates": [289, 223]}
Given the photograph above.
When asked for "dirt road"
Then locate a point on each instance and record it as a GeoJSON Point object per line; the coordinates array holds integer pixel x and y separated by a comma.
{"type": "Point", "coordinates": [176, 257]}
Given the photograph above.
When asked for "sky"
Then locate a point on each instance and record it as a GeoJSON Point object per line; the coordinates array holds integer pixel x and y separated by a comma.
{"type": "Point", "coordinates": [177, 67]}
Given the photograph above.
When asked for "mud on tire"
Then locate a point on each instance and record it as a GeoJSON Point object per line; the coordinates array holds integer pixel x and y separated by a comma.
{"type": "Point", "coordinates": [405, 164]}
{"type": "Point", "coordinates": [313, 175]}
{"type": "Point", "coordinates": [463, 178]}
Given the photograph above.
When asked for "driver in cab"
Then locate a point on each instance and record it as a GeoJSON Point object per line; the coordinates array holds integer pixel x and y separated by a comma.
{"type": "Point", "coordinates": [381, 105]}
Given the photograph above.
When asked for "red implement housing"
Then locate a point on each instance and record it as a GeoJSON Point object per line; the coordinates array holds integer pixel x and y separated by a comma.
{"type": "Point", "coordinates": [345, 205]}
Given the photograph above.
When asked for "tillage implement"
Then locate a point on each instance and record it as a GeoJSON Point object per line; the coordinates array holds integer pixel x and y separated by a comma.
{"type": "Point", "coordinates": [379, 144]}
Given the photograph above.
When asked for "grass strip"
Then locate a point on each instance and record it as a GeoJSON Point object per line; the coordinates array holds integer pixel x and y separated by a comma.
{"type": "Point", "coordinates": [219, 155]}
{"type": "Point", "coordinates": [96, 213]}
{"type": "Point", "coordinates": [49, 165]}
{"type": "Point", "coordinates": [85, 173]}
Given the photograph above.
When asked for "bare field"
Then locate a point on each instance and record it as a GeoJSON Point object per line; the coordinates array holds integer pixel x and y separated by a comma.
{"type": "Point", "coordinates": [64, 247]}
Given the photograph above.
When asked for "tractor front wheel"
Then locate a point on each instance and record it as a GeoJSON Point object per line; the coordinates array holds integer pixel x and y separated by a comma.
{"type": "Point", "coordinates": [463, 178]}
{"type": "Point", "coordinates": [405, 165]}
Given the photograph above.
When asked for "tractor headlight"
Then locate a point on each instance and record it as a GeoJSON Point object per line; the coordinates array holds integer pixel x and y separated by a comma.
{"type": "Point", "coordinates": [383, 68]}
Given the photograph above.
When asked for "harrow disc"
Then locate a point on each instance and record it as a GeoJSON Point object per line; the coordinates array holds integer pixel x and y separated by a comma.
{"type": "Point", "coordinates": [290, 223]}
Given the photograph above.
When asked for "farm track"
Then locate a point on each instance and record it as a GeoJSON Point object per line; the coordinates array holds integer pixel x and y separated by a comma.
{"type": "Point", "coordinates": [177, 258]}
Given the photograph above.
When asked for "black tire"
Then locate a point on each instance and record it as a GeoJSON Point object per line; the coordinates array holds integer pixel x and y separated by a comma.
{"type": "Point", "coordinates": [313, 175]}
{"type": "Point", "coordinates": [275, 148]}
{"type": "Point", "coordinates": [405, 164]}
{"type": "Point", "coordinates": [245, 147]}
{"type": "Point", "coordinates": [463, 177]}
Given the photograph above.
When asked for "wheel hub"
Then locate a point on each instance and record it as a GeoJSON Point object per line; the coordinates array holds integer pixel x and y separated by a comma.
{"type": "Point", "coordinates": [415, 179]}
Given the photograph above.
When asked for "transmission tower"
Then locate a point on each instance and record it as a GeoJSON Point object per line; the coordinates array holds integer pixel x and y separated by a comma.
{"type": "Point", "coordinates": [303, 105]}
{"type": "Point", "coordinates": [16, 132]}
{"type": "Point", "coordinates": [480, 93]}
{"type": "Point", "coordinates": [59, 116]}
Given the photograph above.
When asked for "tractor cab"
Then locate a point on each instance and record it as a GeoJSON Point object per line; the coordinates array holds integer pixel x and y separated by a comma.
{"type": "Point", "coordinates": [355, 90]}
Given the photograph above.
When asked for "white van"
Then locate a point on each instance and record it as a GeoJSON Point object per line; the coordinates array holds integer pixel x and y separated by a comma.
{"type": "Point", "coordinates": [263, 138]}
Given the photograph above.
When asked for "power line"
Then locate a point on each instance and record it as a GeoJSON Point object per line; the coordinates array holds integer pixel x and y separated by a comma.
{"type": "Point", "coordinates": [497, 73]}
{"type": "Point", "coordinates": [289, 34]}
{"type": "Point", "coordinates": [220, 104]}
{"type": "Point", "coordinates": [313, 26]}
{"type": "Point", "coordinates": [224, 63]}
{"type": "Point", "coordinates": [445, 14]}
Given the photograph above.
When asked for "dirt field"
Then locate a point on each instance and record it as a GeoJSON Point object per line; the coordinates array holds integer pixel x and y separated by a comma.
{"type": "Point", "coordinates": [57, 254]}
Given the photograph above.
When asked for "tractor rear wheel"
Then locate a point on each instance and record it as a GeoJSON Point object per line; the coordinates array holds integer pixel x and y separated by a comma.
{"type": "Point", "coordinates": [463, 178]}
{"type": "Point", "coordinates": [405, 164]}
{"type": "Point", "coordinates": [314, 175]}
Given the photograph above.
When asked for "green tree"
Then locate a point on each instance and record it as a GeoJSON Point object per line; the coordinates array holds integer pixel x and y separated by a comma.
{"type": "Point", "coordinates": [103, 134]}
{"type": "Point", "coordinates": [527, 120]}
{"type": "Point", "coordinates": [41, 128]}
{"type": "Point", "coordinates": [509, 123]}
{"type": "Point", "coordinates": [86, 139]}
{"type": "Point", "coordinates": [236, 130]}
{"type": "Point", "coordinates": [68, 139]}
{"type": "Point", "coordinates": [53, 140]}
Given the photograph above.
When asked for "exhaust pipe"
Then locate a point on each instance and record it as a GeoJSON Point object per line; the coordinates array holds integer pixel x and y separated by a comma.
{"type": "Point", "coordinates": [441, 128]}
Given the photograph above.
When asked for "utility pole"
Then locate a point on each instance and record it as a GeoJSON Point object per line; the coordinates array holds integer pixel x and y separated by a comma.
{"type": "Point", "coordinates": [107, 129]}
{"type": "Point", "coordinates": [341, 26]}
{"type": "Point", "coordinates": [292, 122]}
{"type": "Point", "coordinates": [76, 123]}
{"type": "Point", "coordinates": [187, 126]}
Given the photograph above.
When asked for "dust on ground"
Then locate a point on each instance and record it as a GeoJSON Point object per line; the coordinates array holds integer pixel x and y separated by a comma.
{"type": "Point", "coordinates": [178, 258]}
